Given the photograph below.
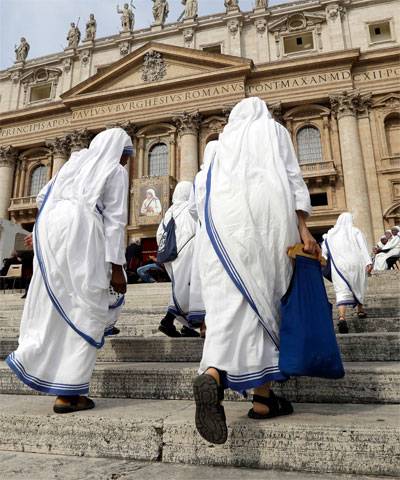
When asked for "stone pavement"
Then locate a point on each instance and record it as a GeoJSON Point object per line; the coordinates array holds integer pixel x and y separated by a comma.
{"type": "Point", "coordinates": [23, 466]}
{"type": "Point", "coordinates": [142, 388]}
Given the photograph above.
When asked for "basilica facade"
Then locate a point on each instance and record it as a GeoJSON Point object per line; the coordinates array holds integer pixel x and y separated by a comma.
{"type": "Point", "coordinates": [328, 70]}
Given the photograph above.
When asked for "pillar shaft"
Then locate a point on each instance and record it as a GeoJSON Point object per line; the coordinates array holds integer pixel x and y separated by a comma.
{"type": "Point", "coordinates": [8, 158]}
{"type": "Point", "coordinates": [60, 148]}
{"type": "Point", "coordinates": [356, 189]}
{"type": "Point", "coordinates": [188, 127]}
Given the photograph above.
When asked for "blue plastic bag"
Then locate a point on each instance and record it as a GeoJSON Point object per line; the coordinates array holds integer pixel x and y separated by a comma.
{"type": "Point", "coordinates": [308, 345]}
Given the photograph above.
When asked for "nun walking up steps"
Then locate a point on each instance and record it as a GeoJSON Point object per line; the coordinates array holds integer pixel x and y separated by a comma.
{"type": "Point", "coordinates": [179, 269]}
{"type": "Point", "coordinates": [79, 245]}
{"type": "Point", "coordinates": [255, 208]}
{"type": "Point", "coordinates": [346, 249]}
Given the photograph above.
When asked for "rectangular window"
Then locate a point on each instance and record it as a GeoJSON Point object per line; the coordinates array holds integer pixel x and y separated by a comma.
{"type": "Point", "coordinates": [319, 199]}
{"type": "Point", "coordinates": [213, 48]}
{"type": "Point", "coordinates": [380, 32]}
{"type": "Point", "coordinates": [40, 92]}
{"type": "Point", "coordinates": [298, 43]}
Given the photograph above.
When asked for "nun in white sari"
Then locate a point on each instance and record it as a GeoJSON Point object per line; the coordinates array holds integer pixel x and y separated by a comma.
{"type": "Point", "coordinates": [79, 245]}
{"type": "Point", "coordinates": [196, 208]}
{"type": "Point", "coordinates": [180, 269]}
{"type": "Point", "coordinates": [347, 250]}
{"type": "Point", "coordinates": [255, 208]}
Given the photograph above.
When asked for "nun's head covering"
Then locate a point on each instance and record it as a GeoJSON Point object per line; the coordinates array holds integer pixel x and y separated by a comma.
{"type": "Point", "coordinates": [182, 193]}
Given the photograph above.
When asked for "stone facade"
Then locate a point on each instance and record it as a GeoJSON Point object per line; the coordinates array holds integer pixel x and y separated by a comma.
{"type": "Point", "coordinates": [335, 87]}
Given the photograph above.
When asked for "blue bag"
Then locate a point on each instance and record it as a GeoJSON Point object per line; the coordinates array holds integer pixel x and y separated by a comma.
{"type": "Point", "coordinates": [167, 250]}
{"type": "Point", "coordinates": [308, 345]}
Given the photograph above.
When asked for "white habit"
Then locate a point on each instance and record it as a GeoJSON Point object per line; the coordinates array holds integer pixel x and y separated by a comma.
{"type": "Point", "coordinates": [79, 232]}
{"type": "Point", "coordinates": [254, 187]}
{"type": "Point", "coordinates": [347, 249]}
{"type": "Point", "coordinates": [180, 269]}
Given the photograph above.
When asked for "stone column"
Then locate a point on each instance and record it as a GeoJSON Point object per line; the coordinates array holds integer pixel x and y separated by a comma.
{"type": "Point", "coordinates": [346, 105]}
{"type": "Point", "coordinates": [370, 165]}
{"type": "Point", "coordinates": [8, 159]}
{"type": "Point", "coordinates": [79, 139]}
{"type": "Point", "coordinates": [60, 148]}
{"type": "Point", "coordinates": [188, 125]}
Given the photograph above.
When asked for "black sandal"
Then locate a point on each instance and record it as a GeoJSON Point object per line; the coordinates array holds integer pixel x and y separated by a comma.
{"type": "Point", "coordinates": [210, 414]}
{"type": "Point", "coordinates": [342, 326]}
{"type": "Point", "coordinates": [189, 332]}
{"type": "Point", "coordinates": [169, 330]}
{"type": "Point", "coordinates": [278, 406]}
{"type": "Point", "coordinates": [362, 315]}
{"type": "Point", "coordinates": [74, 406]}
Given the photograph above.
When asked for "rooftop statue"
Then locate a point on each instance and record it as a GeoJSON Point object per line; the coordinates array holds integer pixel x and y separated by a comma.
{"type": "Point", "coordinates": [127, 17]}
{"type": "Point", "coordinates": [261, 3]}
{"type": "Point", "coordinates": [191, 8]}
{"type": "Point", "coordinates": [74, 36]}
{"type": "Point", "coordinates": [231, 5]}
{"type": "Point", "coordinates": [21, 52]}
{"type": "Point", "coordinates": [91, 27]}
{"type": "Point", "coordinates": [160, 11]}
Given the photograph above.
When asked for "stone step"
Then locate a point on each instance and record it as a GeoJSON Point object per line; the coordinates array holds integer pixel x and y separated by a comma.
{"type": "Point", "coordinates": [356, 347]}
{"type": "Point", "coordinates": [346, 439]}
{"type": "Point", "coordinates": [369, 382]}
{"type": "Point", "coordinates": [35, 466]}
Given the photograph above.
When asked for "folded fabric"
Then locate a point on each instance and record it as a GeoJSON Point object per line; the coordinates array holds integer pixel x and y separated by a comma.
{"type": "Point", "coordinates": [308, 345]}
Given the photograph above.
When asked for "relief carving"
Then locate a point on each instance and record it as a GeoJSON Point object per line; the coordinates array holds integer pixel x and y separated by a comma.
{"type": "Point", "coordinates": [154, 67]}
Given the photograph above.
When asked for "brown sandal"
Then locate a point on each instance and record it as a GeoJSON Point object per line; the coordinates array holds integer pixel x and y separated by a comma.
{"type": "Point", "coordinates": [76, 404]}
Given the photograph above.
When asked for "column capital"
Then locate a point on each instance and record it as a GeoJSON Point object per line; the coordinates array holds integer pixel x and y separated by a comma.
{"type": "Point", "coordinates": [59, 145]}
{"type": "Point", "coordinates": [130, 128]}
{"type": "Point", "coordinates": [8, 156]}
{"type": "Point", "coordinates": [79, 139]}
{"type": "Point", "coordinates": [350, 103]}
{"type": "Point", "coordinates": [187, 123]}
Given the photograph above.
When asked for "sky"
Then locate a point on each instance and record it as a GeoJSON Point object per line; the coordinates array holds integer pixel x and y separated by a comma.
{"type": "Point", "coordinates": [45, 23]}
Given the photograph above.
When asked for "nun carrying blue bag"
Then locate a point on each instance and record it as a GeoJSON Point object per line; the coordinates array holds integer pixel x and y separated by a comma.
{"type": "Point", "coordinates": [308, 345]}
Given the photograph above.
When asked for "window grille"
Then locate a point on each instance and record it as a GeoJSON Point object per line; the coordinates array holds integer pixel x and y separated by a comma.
{"type": "Point", "coordinates": [38, 180]}
{"type": "Point", "coordinates": [309, 145]}
{"type": "Point", "coordinates": [158, 160]}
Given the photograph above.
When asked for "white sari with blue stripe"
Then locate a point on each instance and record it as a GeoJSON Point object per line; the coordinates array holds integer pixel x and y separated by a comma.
{"type": "Point", "coordinates": [253, 189]}
{"type": "Point", "coordinates": [79, 232]}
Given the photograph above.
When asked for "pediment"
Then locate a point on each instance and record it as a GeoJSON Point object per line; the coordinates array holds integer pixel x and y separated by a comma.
{"type": "Point", "coordinates": [391, 99]}
{"type": "Point", "coordinates": [42, 74]}
{"type": "Point", "coordinates": [296, 22]}
{"type": "Point", "coordinates": [156, 65]}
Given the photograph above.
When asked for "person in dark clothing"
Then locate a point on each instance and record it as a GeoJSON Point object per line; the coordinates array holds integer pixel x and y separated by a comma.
{"type": "Point", "coordinates": [134, 258]}
{"type": "Point", "coordinates": [27, 270]}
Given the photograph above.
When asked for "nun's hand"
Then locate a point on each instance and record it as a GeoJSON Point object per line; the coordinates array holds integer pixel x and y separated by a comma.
{"type": "Point", "coordinates": [310, 244]}
{"type": "Point", "coordinates": [28, 240]}
{"type": "Point", "coordinates": [118, 281]}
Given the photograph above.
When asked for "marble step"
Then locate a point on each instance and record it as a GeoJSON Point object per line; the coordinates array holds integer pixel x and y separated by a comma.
{"type": "Point", "coordinates": [320, 438]}
{"type": "Point", "coordinates": [355, 347]}
{"type": "Point", "coordinates": [367, 382]}
{"type": "Point", "coordinates": [39, 466]}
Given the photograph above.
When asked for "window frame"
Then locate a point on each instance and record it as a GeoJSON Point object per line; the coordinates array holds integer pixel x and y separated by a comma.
{"type": "Point", "coordinates": [370, 24]}
{"type": "Point", "coordinates": [32, 172]}
{"type": "Point", "coordinates": [155, 144]}
{"type": "Point", "coordinates": [36, 85]}
{"type": "Point", "coordinates": [314, 127]}
{"type": "Point", "coordinates": [298, 34]}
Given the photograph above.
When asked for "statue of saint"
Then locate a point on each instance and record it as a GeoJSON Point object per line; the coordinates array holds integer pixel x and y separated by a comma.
{"type": "Point", "coordinates": [231, 5]}
{"type": "Point", "coordinates": [160, 11]}
{"type": "Point", "coordinates": [91, 26]}
{"type": "Point", "coordinates": [74, 36]}
{"type": "Point", "coordinates": [21, 52]}
{"type": "Point", "coordinates": [191, 8]}
{"type": "Point", "coordinates": [261, 3]}
{"type": "Point", "coordinates": [127, 17]}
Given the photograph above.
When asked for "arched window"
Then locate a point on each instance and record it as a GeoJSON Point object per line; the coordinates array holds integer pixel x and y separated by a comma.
{"type": "Point", "coordinates": [392, 130]}
{"type": "Point", "coordinates": [309, 145]}
{"type": "Point", "coordinates": [158, 160]}
{"type": "Point", "coordinates": [38, 180]}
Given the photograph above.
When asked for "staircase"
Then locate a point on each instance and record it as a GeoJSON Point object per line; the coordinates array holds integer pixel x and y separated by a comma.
{"type": "Point", "coordinates": [145, 410]}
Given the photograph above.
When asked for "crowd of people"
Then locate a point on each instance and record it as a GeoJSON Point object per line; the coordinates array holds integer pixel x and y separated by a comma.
{"type": "Point", "coordinates": [25, 259]}
{"type": "Point", "coordinates": [229, 270]}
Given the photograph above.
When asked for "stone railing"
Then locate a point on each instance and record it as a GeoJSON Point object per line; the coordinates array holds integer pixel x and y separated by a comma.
{"type": "Point", "coordinates": [319, 172]}
{"type": "Point", "coordinates": [22, 203]}
{"type": "Point", "coordinates": [390, 163]}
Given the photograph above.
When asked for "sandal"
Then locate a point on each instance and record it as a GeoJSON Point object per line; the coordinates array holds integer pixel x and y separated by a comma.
{"type": "Point", "coordinates": [75, 405]}
{"type": "Point", "coordinates": [169, 330]}
{"type": "Point", "coordinates": [278, 406]}
{"type": "Point", "coordinates": [342, 326]}
{"type": "Point", "coordinates": [210, 414]}
{"type": "Point", "coordinates": [362, 315]}
{"type": "Point", "coordinates": [189, 332]}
